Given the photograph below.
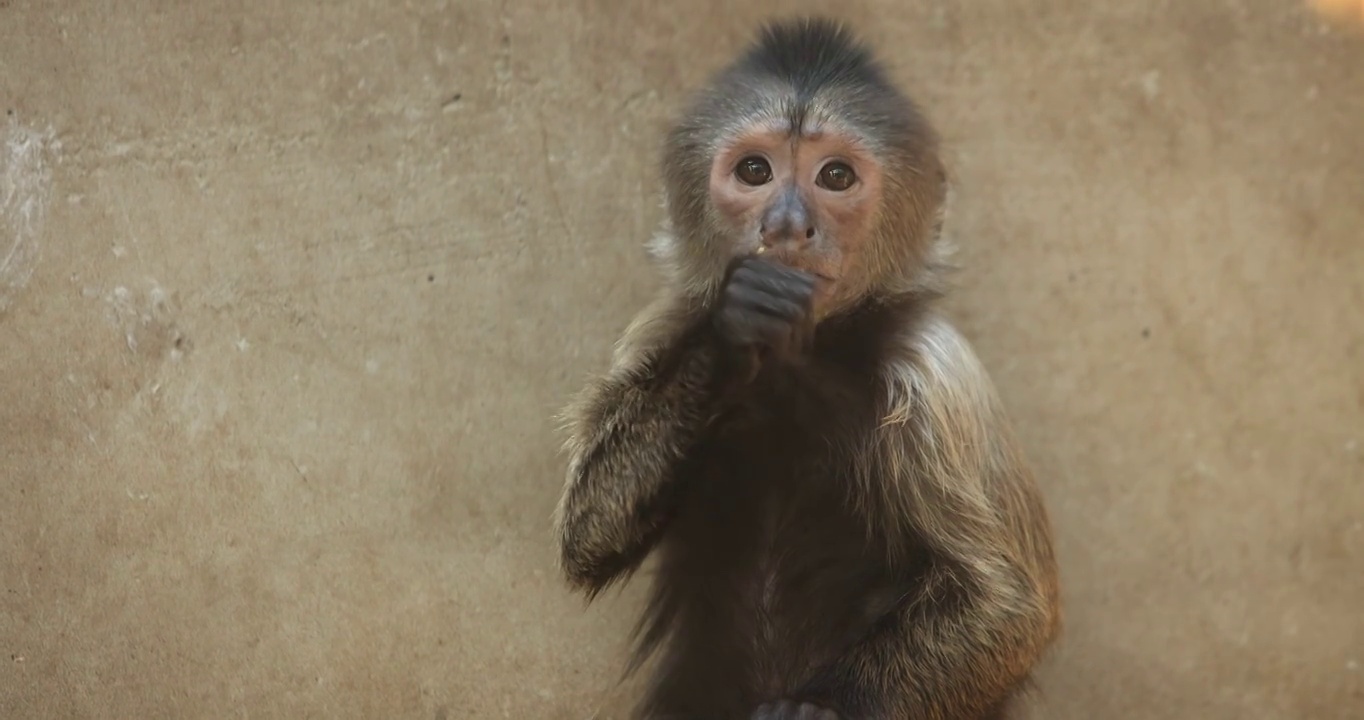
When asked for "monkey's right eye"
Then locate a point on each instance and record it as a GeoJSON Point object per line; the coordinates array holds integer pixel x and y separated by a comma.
{"type": "Point", "coordinates": [754, 171]}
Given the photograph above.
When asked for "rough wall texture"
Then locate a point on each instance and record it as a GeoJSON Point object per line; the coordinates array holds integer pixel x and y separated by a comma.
{"type": "Point", "coordinates": [289, 294]}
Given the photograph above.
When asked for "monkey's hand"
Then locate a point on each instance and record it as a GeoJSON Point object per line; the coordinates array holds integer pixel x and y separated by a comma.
{"type": "Point", "coordinates": [766, 306]}
{"type": "Point", "coordinates": [791, 710]}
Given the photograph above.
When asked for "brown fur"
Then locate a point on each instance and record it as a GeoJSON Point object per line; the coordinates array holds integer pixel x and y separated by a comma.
{"type": "Point", "coordinates": [855, 529]}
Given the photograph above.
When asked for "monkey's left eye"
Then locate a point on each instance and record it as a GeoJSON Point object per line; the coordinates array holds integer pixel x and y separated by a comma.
{"type": "Point", "coordinates": [836, 176]}
{"type": "Point", "coordinates": [754, 171]}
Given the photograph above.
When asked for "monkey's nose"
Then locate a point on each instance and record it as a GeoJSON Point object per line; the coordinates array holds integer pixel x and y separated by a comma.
{"type": "Point", "coordinates": [787, 232]}
{"type": "Point", "coordinates": [787, 221]}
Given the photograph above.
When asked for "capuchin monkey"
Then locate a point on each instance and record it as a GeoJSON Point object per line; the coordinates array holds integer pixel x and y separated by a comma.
{"type": "Point", "coordinates": [843, 526]}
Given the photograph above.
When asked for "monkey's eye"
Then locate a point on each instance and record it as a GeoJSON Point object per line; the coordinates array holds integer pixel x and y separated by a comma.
{"type": "Point", "coordinates": [754, 171]}
{"type": "Point", "coordinates": [836, 176]}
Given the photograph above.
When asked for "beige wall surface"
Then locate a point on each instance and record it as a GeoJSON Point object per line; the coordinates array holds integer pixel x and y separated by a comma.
{"type": "Point", "coordinates": [290, 293]}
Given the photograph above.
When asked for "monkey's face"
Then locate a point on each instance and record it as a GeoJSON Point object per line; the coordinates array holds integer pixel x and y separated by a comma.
{"type": "Point", "coordinates": [806, 198]}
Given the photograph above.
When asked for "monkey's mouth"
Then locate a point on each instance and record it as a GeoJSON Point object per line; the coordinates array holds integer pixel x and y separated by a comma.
{"type": "Point", "coordinates": [796, 262]}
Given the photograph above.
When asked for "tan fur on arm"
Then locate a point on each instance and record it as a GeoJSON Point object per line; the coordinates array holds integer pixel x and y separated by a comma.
{"type": "Point", "coordinates": [628, 431]}
{"type": "Point", "coordinates": [944, 471]}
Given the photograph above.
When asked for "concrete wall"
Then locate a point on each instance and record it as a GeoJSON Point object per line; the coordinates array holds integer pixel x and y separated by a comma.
{"type": "Point", "coordinates": [290, 293]}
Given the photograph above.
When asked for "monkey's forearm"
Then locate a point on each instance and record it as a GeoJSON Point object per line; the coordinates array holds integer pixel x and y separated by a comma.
{"type": "Point", "coordinates": [630, 438]}
{"type": "Point", "coordinates": [952, 651]}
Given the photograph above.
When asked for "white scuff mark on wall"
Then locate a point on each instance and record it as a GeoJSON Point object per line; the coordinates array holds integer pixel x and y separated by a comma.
{"type": "Point", "coordinates": [126, 315]}
{"type": "Point", "coordinates": [145, 317]}
{"type": "Point", "coordinates": [25, 188]}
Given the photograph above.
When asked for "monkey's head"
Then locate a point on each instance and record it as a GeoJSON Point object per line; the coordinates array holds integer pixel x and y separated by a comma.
{"type": "Point", "coordinates": [803, 149]}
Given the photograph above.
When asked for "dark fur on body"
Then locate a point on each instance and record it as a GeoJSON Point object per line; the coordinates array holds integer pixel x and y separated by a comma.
{"type": "Point", "coordinates": [852, 527]}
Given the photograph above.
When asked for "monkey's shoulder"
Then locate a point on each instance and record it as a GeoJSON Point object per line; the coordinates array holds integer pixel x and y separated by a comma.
{"type": "Point", "coordinates": [931, 358]}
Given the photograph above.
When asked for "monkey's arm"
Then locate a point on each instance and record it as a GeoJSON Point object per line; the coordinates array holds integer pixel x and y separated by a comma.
{"type": "Point", "coordinates": [630, 432]}
{"type": "Point", "coordinates": [943, 467]}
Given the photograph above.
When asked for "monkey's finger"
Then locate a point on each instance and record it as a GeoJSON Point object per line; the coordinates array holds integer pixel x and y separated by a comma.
{"type": "Point", "coordinates": [742, 326]}
{"type": "Point", "coordinates": [768, 332]}
{"type": "Point", "coordinates": [770, 305]}
{"type": "Point", "coordinates": [775, 278]}
{"type": "Point", "coordinates": [787, 283]}
{"type": "Point", "coordinates": [796, 295]}
{"type": "Point", "coordinates": [792, 306]}
{"type": "Point", "coordinates": [774, 315]}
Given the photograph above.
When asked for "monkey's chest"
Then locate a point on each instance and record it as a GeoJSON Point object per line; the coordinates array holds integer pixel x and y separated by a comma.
{"type": "Point", "coordinates": [774, 553]}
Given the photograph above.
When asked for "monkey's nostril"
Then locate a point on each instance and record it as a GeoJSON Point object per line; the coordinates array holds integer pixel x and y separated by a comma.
{"type": "Point", "coordinates": [809, 233]}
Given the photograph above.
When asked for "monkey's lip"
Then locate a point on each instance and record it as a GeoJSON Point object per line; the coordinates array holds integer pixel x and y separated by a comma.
{"type": "Point", "coordinates": [795, 264]}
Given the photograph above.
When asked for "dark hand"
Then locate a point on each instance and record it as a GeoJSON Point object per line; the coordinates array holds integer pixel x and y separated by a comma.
{"type": "Point", "coordinates": [766, 305]}
{"type": "Point", "coordinates": [791, 710]}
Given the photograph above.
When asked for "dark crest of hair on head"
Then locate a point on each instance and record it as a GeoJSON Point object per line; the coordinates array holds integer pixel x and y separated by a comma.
{"type": "Point", "coordinates": [811, 54]}
{"type": "Point", "coordinates": [816, 55]}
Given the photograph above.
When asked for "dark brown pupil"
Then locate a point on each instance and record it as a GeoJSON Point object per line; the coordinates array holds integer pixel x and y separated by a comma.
{"type": "Point", "coordinates": [837, 176]}
{"type": "Point", "coordinates": [754, 171]}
